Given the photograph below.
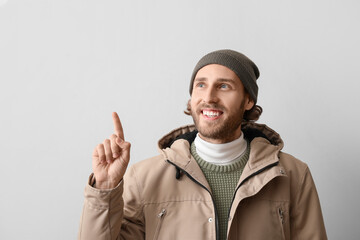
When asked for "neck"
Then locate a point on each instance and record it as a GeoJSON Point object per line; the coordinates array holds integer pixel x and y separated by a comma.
{"type": "Point", "coordinates": [220, 153]}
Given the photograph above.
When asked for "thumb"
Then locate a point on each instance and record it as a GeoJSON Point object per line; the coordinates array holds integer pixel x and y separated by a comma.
{"type": "Point", "coordinates": [125, 148]}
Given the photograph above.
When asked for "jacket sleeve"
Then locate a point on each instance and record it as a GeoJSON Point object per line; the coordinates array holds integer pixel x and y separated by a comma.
{"type": "Point", "coordinates": [306, 218]}
{"type": "Point", "coordinates": [106, 215]}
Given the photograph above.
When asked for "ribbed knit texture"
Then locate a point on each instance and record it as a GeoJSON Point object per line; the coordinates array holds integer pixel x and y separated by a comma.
{"type": "Point", "coordinates": [222, 180]}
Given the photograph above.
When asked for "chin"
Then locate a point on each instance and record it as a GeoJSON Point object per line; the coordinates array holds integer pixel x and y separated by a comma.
{"type": "Point", "coordinates": [211, 132]}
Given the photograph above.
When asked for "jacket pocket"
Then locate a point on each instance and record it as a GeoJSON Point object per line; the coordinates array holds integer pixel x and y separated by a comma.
{"type": "Point", "coordinates": [160, 217]}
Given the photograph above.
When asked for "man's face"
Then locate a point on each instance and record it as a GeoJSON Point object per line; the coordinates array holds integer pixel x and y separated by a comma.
{"type": "Point", "coordinates": [218, 102]}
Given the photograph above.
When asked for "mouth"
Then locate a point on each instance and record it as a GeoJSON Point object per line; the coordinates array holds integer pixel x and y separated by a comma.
{"type": "Point", "coordinates": [211, 114]}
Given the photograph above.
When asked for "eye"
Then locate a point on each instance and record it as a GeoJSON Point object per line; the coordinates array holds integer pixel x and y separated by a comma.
{"type": "Point", "coordinates": [200, 85]}
{"type": "Point", "coordinates": [224, 86]}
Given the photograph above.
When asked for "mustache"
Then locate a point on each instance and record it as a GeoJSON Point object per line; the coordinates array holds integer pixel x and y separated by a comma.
{"type": "Point", "coordinates": [212, 106]}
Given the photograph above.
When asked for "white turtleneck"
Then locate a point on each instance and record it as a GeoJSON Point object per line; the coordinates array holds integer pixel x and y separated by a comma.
{"type": "Point", "coordinates": [220, 154]}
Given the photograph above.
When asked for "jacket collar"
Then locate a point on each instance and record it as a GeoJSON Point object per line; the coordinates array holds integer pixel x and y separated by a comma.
{"type": "Point", "coordinates": [251, 130]}
{"type": "Point", "coordinates": [265, 145]}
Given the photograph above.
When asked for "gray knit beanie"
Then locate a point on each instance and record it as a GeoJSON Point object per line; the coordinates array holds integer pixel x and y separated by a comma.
{"type": "Point", "coordinates": [243, 67]}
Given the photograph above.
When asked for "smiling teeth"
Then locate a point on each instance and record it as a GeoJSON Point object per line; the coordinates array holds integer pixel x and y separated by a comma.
{"type": "Point", "coordinates": [211, 114]}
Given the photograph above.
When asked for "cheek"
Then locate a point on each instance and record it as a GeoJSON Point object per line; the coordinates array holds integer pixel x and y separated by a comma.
{"type": "Point", "coordinates": [232, 101]}
{"type": "Point", "coordinates": [194, 101]}
{"type": "Point", "coordinates": [235, 104]}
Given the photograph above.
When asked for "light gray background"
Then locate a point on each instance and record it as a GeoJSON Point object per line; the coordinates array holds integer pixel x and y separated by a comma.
{"type": "Point", "coordinates": [66, 65]}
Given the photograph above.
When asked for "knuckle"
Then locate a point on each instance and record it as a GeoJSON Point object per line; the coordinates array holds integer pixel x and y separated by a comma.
{"type": "Point", "coordinates": [113, 144]}
{"type": "Point", "coordinates": [100, 146]}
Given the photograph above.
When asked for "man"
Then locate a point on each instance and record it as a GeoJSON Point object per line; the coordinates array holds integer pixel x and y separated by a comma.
{"type": "Point", "coordinates": [224, 178]}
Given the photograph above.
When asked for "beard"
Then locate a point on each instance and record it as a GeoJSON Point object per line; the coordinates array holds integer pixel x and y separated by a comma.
{"type": "Point", "coordinates": [220, 129]}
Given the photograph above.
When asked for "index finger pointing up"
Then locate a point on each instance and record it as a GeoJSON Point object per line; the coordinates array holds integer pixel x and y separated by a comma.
{"type": "Point", "coordinates": [117, 126]}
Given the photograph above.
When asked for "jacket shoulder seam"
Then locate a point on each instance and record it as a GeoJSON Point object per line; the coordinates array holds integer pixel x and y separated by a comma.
{"type": "Point", "coordinates": [138, 190]}
{"type": "Point", "coordinates": [297, 193]}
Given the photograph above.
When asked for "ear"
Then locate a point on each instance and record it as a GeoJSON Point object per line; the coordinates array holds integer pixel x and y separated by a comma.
{"type": "Point", "coordinates": [249, 103]}
{"type": "Point", "coordinates": [188, 107]}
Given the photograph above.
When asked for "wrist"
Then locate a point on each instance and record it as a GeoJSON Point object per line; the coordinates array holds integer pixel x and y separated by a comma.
{"type": "Point", "coordinates": [105, 184]}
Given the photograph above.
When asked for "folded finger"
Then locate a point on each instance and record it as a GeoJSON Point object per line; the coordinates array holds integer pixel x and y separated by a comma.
{"type": "Point", "coordinates": [108, 152]}
{"type": "Point", "coordinates": [101, 153]}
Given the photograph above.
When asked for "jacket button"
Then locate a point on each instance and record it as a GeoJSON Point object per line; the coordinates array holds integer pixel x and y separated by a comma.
{"type": "Point", "coordinates": [210, 219]}
{"type": "Point", "coordinates": [282, 171]}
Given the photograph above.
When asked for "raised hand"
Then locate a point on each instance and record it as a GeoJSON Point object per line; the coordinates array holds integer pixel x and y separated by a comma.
{"type": "Point", "coordinates": [110, 158]}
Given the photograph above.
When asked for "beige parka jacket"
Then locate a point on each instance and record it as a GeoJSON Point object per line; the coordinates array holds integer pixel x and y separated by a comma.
{"type": "Point", "coordinates": [167, 197]}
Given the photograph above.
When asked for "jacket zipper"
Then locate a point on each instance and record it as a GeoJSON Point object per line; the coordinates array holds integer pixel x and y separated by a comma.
{"type": "Point", "coordinates": [161, 217]}
{"type": "Point", "coordinates": [281, 218]}
{"type": "Point", "coordinates": [212, 198]}
{"type": "Point", "coordinates": [247, 178]}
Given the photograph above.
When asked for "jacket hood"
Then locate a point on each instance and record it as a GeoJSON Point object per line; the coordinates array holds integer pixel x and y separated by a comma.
{"type": "Point", "coordinates": [251, 130]}
{"type": "Point", "coordinates": [265, 145]}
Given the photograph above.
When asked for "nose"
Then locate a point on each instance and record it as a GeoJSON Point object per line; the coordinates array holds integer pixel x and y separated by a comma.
{"type": "Point", "coordinates": [210, 95]}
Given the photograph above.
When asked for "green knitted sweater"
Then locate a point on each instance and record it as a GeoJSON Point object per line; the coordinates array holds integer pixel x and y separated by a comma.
{"type": "Point", "coordinates": [222, 180]}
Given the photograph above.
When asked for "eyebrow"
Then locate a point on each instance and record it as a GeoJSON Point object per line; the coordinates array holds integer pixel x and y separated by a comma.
{"type": "Point", "coordinates": [218, 80]}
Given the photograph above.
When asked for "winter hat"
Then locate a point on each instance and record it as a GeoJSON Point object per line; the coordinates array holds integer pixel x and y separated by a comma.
{"type": "Point", "coordinates": [243, 67]}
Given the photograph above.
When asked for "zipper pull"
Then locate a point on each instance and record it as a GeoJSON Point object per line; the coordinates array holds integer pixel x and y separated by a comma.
{"type": "Point", "coordinates": [281, 214]}
{"type": "Point", "coordinates": [162, 213]}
